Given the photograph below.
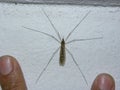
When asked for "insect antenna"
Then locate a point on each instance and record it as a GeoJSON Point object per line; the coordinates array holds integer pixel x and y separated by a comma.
{"type": "Point", "coordinates": [52, 24]}
{"type": "Point", "coordinates": [76, 26]}
{"type": "Point", "coordinates": [42, 33]}
{"type": "Point", "coordinates": [47, 64]}
{"type": "Point", "coordinates": [77, 66]}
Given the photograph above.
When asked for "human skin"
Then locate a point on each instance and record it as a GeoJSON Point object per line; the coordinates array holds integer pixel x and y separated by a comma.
{"type": "Point", "coordinates": [11, 77]}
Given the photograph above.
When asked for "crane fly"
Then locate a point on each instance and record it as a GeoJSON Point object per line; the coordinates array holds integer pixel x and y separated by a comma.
{"type": "Point", "coordinates": [62, 43]}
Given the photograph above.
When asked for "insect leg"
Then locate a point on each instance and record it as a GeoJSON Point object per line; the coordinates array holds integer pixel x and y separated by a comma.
{"type": "Point", "coordinates": [52, 24]}
{"type": "Point", "coordinates": [74, 40]}
{"type": "Point", "coordinates": [77, 66]}
{"type": "Point", "coordinates": [42, 33]}
{"type": "Point", "coordinates": [47, 64]}
{"type": "Point", "coordinates": [77, 25]}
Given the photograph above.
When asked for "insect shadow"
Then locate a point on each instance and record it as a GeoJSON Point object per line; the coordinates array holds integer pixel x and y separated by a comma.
{"type": "Point", "coordinates": [63, 42]}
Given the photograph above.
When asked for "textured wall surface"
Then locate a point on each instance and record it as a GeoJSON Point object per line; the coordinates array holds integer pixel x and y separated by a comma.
{"type": "Point", "coordinates": [33, 49]}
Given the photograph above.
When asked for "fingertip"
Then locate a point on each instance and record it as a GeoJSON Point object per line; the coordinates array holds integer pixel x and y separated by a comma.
{"type": "Point", "coordinates": [103, 81]}
{"type": "Point", "coordinates": [11, 76]}
{"type": "Point", "coordinates": [6, 65]}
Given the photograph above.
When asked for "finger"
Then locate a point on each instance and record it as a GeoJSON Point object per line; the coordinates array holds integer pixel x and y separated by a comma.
{"type": "Point", "coordinates": [11, 76]}
{"type": "Point", "coordinates": [103, 81]}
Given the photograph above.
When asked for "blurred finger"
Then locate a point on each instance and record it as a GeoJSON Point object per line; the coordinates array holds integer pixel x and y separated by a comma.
{"type": "Point", "coordinates": [103, 81]}
{"type": "Point", "coordinates": [11, 76]}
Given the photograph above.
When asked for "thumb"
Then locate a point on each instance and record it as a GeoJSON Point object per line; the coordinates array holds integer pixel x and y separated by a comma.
{"type": "Point", "coordinates": [11, 77]}
{"type": "Point", "coordinates": [103, 81]}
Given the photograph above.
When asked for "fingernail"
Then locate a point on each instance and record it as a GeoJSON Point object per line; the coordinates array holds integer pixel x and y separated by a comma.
{"type": "Point", "coordinates": [5, 65]}
{"type": "Point", "coordinates": [105, 83]}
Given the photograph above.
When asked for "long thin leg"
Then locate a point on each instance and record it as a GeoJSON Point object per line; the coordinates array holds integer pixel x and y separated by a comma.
{"type": "Point", "coordinates": [83, 39]}
{"type": "Point", "coordinates": [77, 66]}
{"type": "Point", "coordinates": [77, 26]}
{"type": "Point", "coordinates": [47, 64]}
{"type": "Point", "coordinates": [42, 33]}
{"type": "Point", "coordinates": [52, 24]}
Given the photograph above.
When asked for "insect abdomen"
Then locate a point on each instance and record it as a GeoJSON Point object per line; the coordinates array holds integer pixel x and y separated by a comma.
{"type": "Point", "coordinates": [62, 53]}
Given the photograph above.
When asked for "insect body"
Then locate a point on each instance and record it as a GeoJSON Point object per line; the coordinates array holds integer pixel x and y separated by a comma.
{"type": "Point", "coordinates": [62, 53]}
{"type": "Point", "coordinates": [63, 43]}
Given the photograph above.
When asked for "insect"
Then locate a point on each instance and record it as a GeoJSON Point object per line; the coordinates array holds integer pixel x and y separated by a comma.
{"type": "Point", "coordinates": [63, 42]}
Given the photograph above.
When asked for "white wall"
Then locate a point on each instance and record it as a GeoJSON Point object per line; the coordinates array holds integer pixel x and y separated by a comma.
{"type": "Point", "coordinates": [33, 49]}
